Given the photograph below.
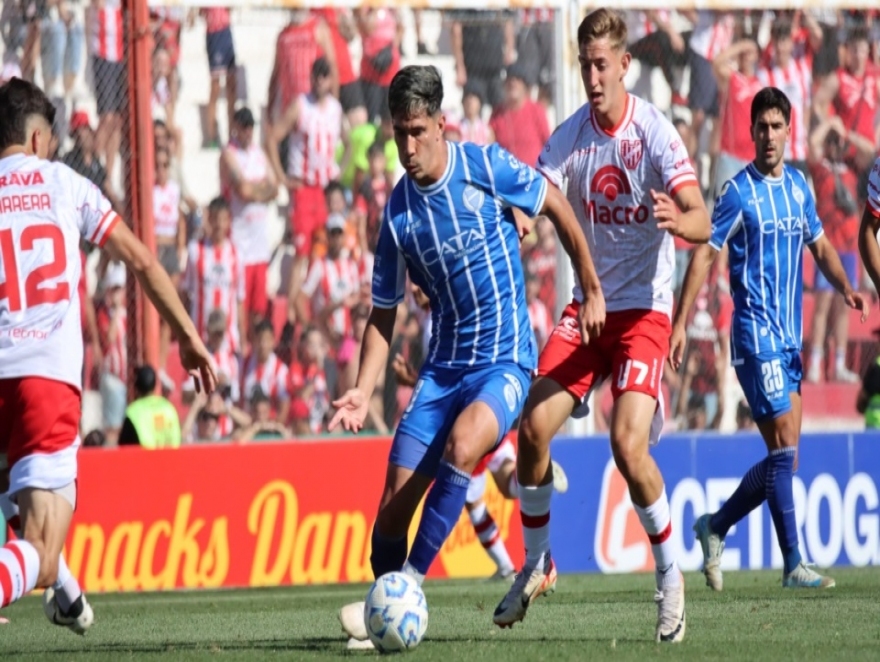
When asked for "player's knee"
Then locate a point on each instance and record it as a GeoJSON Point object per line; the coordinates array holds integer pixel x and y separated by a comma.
{"type": "Point", "coordinates": [629, 456]}
{"type": "Point", "coordinates": [463, 452]}
{"type": "Point", "coordinates": [534, 434]}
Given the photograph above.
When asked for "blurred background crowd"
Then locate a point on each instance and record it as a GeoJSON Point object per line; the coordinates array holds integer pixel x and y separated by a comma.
{"type": "Point", "coordinates": [274, 157]}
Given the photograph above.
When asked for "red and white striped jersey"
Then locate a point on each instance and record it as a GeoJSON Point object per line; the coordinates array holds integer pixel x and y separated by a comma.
{"type": "Point", "coordinates": [166, 209]}
{"type": "Point", "coordinates": [528, 17]}
{"type": "Point", "coordinates": [796, 81]}
{"type": "Point", "coordinates": [115, 352]}
{"type": "Point", "coordinates": [45, 211]}
{"type": "Point", "coordinates": [312, 153]}
{"type": "Point", "coordinates": [106, 32]}
{"type": "Point", "coordinates": [296, 51]}
{"type": "Point", "coordinates": [542, 322]}
{"type": "Point", "coordinates": [228, 372]}
{"type": "Point", "coordinates": [214, 278]}
{"type": "Point", "coordinates": [474, 131]}
{"type": "Point", "coordinates": [250, 220]}
{"type": "Point", "coordinates": [712, 33]}
{"type": "Point", "coordinates": [610, 176]}
{"type": "Point", "coordinates": [216, 19]}
{"type": "Point", "coordinates": [331, 281]}
{"type": "Point", "coordinates": [270, 376]}
{"type": "Point", "coordinates": [856, 100]}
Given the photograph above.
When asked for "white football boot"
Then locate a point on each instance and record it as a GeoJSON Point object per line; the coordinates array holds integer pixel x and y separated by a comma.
{"type": "Point", "coordinates": [528, 585]}
{"type": "Point", "coordinates": [805, 577]}
{"type": "Point", "coordinates": [670, 612]}
{"type": "Point", "coordinates": [713, 546]}
{"type": "Point", "coordinates": [79, 624]}
{"type": "Point", "coordinates": [560, 480]}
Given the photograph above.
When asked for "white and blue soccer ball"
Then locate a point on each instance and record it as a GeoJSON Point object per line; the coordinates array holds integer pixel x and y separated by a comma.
{"type": "Point", "coordinates": [396, 613]}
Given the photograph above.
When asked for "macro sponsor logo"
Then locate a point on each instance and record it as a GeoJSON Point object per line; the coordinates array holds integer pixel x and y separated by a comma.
{"type": "Point", "coordinates": [833, 519]}
{"type": "Point", "coordinates": [611, 183]}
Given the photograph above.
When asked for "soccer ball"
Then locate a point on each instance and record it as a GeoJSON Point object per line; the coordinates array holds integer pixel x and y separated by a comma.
{"type": "Point", "coordinates": [396, 613]}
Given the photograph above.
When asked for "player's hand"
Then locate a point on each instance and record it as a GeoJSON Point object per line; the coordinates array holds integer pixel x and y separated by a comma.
{"type": "Point", "coordinates": [196, 360]}
{"type": "Point", "coordinates": [591, 316]}
{"type": "Point", "coordinates": [524, 224]}
{"type": "Point", "coordinates": [406, 375]}
{"type": "Point", "coordinates": [352, 411]}
{"type": "Point", "coordinates": [676, 346]}
{"type": "Point", "coordinates": [858, 302]}
{"type": "Point", "coordinates": [666, 212]}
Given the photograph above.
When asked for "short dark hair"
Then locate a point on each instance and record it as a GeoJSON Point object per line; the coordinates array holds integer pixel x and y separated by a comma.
{"type": "Point", "coordinates": [332, 187]}
{"type": "Point", "coordinates": [376, 149]}
{"type": "Point", "coordinates": [243, 117]}
{"type": "Point", "coordinates": [217, 205]}
{"type": "Point", "coordinates": [416, 89]}
{"type": "Point", "coordinates": [858, 33]}
{"type": "Point", "coordinates": [144, 380]}
{"type": "Point", "coordinates": [258, 396]}
{"type": "Point", "coordinates": [321, 68]}
{"type": "Point", "coordinates": [19, 101]}
{"type": "Point", "coordinates": [781, 29]}
{"type": "Point", "coordinates": [262, 327]}
{"type": "Point", "coordinates": [769, 98]}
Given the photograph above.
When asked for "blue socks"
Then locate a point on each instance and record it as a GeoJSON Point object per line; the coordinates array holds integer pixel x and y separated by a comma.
{"type": "Point", "coordinates": [442, 509]}
{"type": "Point", "coordinates": [780, 499]}
{"type": "Point", "coordinates": [749, 495]}
{"type": "Point", "coordinates": [388, 554]}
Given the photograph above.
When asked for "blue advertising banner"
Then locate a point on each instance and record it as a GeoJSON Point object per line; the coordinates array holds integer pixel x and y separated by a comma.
{"type": "Point", "coordinates": [594, 527]}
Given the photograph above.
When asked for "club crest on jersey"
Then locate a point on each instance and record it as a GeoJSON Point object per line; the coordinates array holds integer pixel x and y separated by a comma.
{"type": "Point", "coordinates": [473, 198]}
{"type": "Point", "coordinates": [631, 153]}
{"type": "Point", "coordinates": [797, 194]}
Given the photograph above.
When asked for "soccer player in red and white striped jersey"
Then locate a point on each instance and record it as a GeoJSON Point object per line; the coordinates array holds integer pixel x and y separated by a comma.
{"type": "Point", "coordinates": [265, 371]}
{"type": "Point", "coordinates": [214, 277]}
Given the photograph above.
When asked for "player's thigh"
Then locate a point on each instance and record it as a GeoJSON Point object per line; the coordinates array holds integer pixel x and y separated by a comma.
{"type": "Point", "coordinates": [502, 390]}
{"type": "Point", "coordinates": [768, 380]}
{"type": "Point", "coordinates": [421, 436]}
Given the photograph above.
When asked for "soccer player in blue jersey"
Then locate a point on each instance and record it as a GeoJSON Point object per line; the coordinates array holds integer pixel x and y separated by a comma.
{"type": "Point", "coordinates": [765, 214]}
{"type": "Point", "coordinates": [449, 224]}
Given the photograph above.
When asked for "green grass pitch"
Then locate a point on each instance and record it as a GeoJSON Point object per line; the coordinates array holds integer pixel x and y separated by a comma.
{"type": "Point", "coordinates": [591, 617]}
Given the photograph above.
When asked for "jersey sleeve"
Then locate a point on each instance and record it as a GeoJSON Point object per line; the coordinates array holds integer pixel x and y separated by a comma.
{"type": "Point", "coordinates": [515, 183]}
{"type": "Point", "coordinates": [95, 216]}
{"type": "Point", "coordinates": [813, 230]}
{"type": "Point", "coordinates": [389, 266]}
{"type": "Point", "coordinates": [553, 161]}
{"type": "Point", "coordinates": [727, 217]}
{"type": "Point", "coordinates": [669, 156]}
{"type": "Point", "coordinates": [873, 192]}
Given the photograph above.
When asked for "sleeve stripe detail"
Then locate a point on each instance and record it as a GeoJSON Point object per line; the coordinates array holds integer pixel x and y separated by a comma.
{"type": "Point", "coordinates": [873, 209]}
{"type": "Point", "coordinates": [105, 226]}
{"type": "Point", "coordinates": [681, 185]}
{"type": "Point", "coordinates": [714, 245]}
{"type": "Point", "coordinates": [816, 237]}
{"type": "Point", "coordinates": [542, 196]}
{"type": "Point", "coordinates": [386, 303]}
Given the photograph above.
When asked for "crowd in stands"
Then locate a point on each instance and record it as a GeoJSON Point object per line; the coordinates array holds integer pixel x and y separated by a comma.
{"type": "Point", "coordinates": [322, 156]}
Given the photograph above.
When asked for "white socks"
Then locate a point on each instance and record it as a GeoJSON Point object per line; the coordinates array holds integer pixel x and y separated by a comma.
{"type": "Point", "coordinates": [490, 537]}
{"type": "Point", "coordinates": [658, 525]}
{"type": "Point", "coordinates": [534, 509]}
{"type": "Point", "coordinates": [19, 567]}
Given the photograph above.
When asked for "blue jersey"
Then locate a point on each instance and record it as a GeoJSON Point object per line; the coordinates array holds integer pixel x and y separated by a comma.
{"type": "Point", "coordinates": [458, 241]}
{"type": "Point", "coordinates": [766, 222]}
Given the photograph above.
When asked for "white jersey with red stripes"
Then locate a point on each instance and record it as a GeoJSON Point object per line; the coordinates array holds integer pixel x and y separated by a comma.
{"type": "Point", "coordinates": [166, 209]}
{"type": "Point", "coordinates": [312, 154]}
{"type": "Point", "coordinates": [270, 376]}
{"type": "Point", "coordinates": [796, 80]}
{"type": "Point", "coordinates": [331, 281]}
{"type": "Point", "coordinates": [106, 31]}
{"type": "Point", "coordinates": [214, 279]}
{"type": "Point", "coordinates": [115, 359]}
{"type": "Point", "coordinates": [873, 192]}
{"type": "Point", "coordinates": [45, 210]}
{"type": "Point", "coordinates": [712, 33]}
{"type": "Point", "coordinates": [475, 131]}
{"type": "Point", "coordinates": [250, 220]}
{"type": "Point", "coordinates": [610, 176]}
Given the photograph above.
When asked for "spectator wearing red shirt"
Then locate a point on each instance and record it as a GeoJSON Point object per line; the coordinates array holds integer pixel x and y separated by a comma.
{"type": "Point", "coordinates": [369, 204]}
{"type": "Point", "coordinates": [380, 41]}
{"type": "Point", "coordinates": [837, 206]}
{"type": "Point", "coordinates": [341, 25]}
{"type": "Point", "coordinates": [312, 382]}
{"type": "Point", "coordinates": [520, 124]}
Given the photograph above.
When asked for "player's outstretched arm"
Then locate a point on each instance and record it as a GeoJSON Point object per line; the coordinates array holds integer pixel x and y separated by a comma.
{"type": "Point", "coordinates": [698, 268]}
{"type": "Point", "coordinates": [829, 264]}
{"type": "Point", "coordinates": [868, 246]}
{"type": "Point", "coordinates": [123, 245]}
{"type": "Point", "coordinates": [560, 213]}
{"type": "Point", "coordinates": [353, 406]}
{"type": "Point", "coordinates": [684, 216]}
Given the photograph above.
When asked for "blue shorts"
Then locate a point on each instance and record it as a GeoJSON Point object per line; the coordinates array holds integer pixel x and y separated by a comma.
{"type": "Point", "coordinates": [221, 52]}
{"type": "Point", "coordinates": [768, 379]}
{"type": "Point", "coordinates": [440, 395]}
{"type": "Point", "coordinates": [850, 262]}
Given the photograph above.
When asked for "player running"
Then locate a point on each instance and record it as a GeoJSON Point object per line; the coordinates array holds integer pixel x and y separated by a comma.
{"type": "Point", "coordinates": [766, 214]}
{"type": "Point", "coordinates": [449, 224]}
{"type": "Point", "coordinates": [868, 244]}
{"type": "Point", "coordinates": [45, 209]}
{"type": "Point", "coordinates": [633, 187]}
